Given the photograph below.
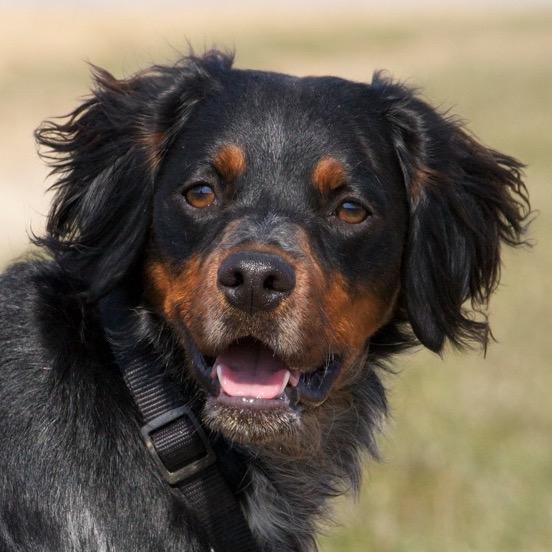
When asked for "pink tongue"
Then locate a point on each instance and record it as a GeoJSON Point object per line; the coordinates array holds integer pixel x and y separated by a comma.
{"type": "Point", "coordinates": [250, 369]}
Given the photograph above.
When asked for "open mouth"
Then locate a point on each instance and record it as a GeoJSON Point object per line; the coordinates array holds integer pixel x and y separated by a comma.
{"type": "Point", "coordinates": [249, 375]}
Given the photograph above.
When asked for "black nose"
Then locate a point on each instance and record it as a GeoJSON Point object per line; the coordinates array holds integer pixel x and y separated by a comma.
{"type": "Point", "coordinates": [255, 281]}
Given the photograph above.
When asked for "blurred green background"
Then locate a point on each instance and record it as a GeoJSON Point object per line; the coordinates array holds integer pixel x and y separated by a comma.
{"type": "Point", "coordinates": [467, 455]}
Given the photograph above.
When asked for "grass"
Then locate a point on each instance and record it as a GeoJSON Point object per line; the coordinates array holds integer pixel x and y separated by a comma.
{"type": "Point", "coordinates": [467, 454]}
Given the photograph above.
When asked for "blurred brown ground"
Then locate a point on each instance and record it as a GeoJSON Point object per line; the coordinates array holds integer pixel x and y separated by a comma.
{"type": "Point", "coordinates": [468, 454]}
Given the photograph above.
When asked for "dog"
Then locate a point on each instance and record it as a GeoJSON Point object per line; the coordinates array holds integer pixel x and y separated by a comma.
{"type": "Point", "coordinates": [274, 241]}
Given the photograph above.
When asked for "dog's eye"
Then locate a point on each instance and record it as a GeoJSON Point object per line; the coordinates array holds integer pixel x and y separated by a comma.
{"type": "Point", "coordinates": [200, 196]}
{"type": "Point", "coordinates": [351, 212]}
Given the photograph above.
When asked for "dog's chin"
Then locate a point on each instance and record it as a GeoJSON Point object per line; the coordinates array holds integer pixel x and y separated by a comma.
{"type": "Point", "coordinates": [252, 425]}
{"type": "Point", "coordinates": [254, 396]}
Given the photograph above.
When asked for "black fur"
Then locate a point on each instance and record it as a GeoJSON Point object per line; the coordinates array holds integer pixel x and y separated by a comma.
{"type": "Point", "coordinates": [74, 474]}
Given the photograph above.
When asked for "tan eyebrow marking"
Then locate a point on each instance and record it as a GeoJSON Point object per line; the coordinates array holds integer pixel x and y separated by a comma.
{"type": "Point", "coordinates": [230, 161]}
{"type": "Point", "coordinates": [328, 174]}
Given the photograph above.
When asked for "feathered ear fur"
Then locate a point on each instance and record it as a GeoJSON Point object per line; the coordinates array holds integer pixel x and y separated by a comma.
{"type": "Point", "coordinates": [465, 199]}
{"type": "Point", "coordinates": [106, 154]}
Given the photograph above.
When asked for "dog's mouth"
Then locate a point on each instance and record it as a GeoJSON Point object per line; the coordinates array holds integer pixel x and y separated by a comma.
{"type": "Point", "coordinates": [248, 374]}
{"type": "Point", "coordinates": [253, 394]}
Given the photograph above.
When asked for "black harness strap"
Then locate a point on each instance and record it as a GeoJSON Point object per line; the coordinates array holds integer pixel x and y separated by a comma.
{"type": "Point", "coordinates": [174, 436]}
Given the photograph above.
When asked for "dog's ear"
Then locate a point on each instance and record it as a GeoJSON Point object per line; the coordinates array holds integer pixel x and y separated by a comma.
{"type": "Point", "coordinates": [465, 199]}
{"type": "Point", "coordinates": [106, 154]}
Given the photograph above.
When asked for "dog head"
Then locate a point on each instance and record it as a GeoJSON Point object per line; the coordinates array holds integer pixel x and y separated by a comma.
{"type": "Point", "coordinates": [292, 232]}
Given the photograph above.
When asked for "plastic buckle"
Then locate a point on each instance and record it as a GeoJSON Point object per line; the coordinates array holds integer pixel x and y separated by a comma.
{"type": "Point", "coordinates": [195, 466]}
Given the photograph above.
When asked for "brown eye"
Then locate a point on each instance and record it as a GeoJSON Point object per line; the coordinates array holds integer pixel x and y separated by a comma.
{"type": "Point", "coordinates": [351, 212]}
{"type": "Point", "coordinates": [200, 196]}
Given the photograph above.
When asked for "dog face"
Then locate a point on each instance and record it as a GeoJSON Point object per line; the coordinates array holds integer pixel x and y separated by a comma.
{"type": "Point", "coordinates": [277, 240]}
{"type": "Point", "coordinates": [292, 232]}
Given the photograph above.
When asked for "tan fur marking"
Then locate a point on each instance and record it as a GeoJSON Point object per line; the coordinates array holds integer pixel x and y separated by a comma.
{"type": "Point", "coordinates": [423, 178]}
{"type": "Point", "coordinates": [328, 174]}
{"type": "Point", "coordinates": [353, 315]}
{"type": "Point", "coordinates": [154, 145]}
{"type": "Point", "coordinates": [230, 162]}
{"type": "Point", "coordinates": [171, 290]}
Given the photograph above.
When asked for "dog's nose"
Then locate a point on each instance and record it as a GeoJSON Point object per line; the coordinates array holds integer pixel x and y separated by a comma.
{"type": "Point", "coordinates": [255, 281]}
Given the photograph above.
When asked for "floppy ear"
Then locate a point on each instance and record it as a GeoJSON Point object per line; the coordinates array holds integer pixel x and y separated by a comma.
{"type": "Point", "coordinates": [107, 153]}
{"type": "Point", "coordinates": [465, 199]}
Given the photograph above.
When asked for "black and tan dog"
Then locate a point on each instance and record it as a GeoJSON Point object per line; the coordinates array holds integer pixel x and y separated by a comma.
{"type": "Point", "coordinates": [300, 231]}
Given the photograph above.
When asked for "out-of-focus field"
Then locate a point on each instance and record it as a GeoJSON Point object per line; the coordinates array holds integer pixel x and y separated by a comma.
{"type": "Point", "coordinates": [468, 452]}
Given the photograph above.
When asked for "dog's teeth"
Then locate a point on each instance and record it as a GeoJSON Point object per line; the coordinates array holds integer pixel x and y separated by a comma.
{"type": "Point", "coordinates": [285, 382]}
{"type": "Point", "coordinates": [294, 379]}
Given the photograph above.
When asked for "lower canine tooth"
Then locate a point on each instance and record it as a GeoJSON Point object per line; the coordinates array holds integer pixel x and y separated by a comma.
{"type": "Point", "coordinates": [294, 379]}
{"type": "Point", "coordinates": [285, 382]}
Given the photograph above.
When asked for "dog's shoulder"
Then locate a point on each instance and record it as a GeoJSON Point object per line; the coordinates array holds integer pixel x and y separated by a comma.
{"type": "Point", "coordinates": [18, 292]}
{"type": "Point", "coordinates": [19, 304]}
{"type": "Point", "coordinates": [35, 306]}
